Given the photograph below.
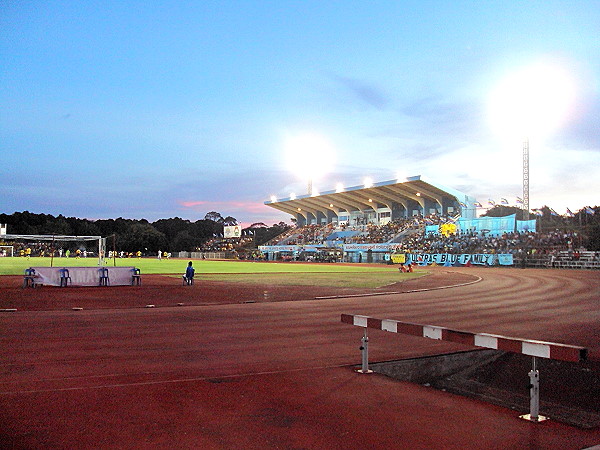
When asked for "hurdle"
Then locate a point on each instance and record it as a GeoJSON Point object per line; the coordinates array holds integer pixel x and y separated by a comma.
{"type": "Point", "coordinates": [535, 349]}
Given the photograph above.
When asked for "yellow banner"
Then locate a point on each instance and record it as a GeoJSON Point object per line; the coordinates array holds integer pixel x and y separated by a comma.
{"type": "Point", "coordinates": [398, 258]}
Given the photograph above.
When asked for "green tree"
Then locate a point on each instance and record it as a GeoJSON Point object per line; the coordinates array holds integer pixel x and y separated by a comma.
{"type": "Point", "coordinates": [214, 216]}
{"type": "Point", "coordinates": [184, 241]}
{"type": "Point", "coordinates": [230, 221]}
{"type": "Point", "coordinates": [141, 236]}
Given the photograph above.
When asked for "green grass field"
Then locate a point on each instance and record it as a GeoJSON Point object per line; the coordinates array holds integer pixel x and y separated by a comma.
{"type": "Point", "coordinates": [356, 275]}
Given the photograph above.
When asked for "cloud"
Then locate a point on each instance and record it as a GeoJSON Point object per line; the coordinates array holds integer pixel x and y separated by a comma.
{"type": "Point", "coordinates": [367, 93]}
{"type": "Point", "coordinates": [220, 206]}
{"type": "Point", "coordinates": [583, 131]}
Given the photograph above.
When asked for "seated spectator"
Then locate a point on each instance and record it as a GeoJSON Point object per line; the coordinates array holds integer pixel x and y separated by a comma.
{"type": "Point", "coordinates": [188, 278]}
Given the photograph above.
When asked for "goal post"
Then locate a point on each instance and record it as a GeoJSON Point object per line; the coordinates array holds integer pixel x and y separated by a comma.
{"type": "Point", "coordinates": [54, 239]}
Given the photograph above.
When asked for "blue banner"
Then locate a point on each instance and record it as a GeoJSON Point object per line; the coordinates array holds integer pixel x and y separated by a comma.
{"type": "Point", "coordinates": [448, 259]}
{"type": "Point", "coordinates": [435, 229]}
{"type": "Point", "coordinates": [524, 226]}
{"type": "Point", "coordinates": [493, 226]}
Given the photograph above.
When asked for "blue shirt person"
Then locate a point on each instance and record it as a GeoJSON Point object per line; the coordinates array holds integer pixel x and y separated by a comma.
{"type": "Point", "coordinates": [189, 274]}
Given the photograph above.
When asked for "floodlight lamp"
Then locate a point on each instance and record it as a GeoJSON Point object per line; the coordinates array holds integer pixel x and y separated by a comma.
{"type": "Point", "coordinates": [370, 200]}
{"type": "Point", "coordinates": [533, 101]}
{"type": "Point", "coordinates": [302, 151]}
{"type": "Point", "coordinates": [368, 182]}
{"type": "Point", "coordinates": [273, 199]}
{"type": "Point", "coordinates": [339, 187]}
{"type": "Point", "coordinates": [331, 205]}
{"type": "Point", "coordinates": [292, 196]}
{"type": "Point", "coordinates": [299, 209]}
{"type": "Point", "coordinates": [418, 194]}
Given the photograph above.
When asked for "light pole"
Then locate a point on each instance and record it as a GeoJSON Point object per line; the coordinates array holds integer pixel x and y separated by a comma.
{"type": "Point", "coordinates": [526, 179]}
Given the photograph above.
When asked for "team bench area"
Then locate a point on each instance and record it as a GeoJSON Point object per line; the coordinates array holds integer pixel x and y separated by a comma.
{"type": "Point", "coordinates": [81, 276]}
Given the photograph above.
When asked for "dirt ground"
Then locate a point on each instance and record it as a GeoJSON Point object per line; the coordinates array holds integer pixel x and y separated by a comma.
{"type": "Point", "coordinates": [235, 368]}
{"type": "Point", "coordinates": [168, 290]}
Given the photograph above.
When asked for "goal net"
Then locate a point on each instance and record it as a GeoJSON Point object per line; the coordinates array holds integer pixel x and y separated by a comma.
{"type": "Point", "coordinates": [54, 246]}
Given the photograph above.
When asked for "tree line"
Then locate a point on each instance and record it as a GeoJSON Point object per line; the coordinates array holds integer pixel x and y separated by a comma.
{"type": "Point", "coordinates": [131, 235]}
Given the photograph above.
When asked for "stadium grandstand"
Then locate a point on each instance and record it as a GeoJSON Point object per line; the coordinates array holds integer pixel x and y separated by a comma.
{"type": "Point", "coordinates": [420, 221]}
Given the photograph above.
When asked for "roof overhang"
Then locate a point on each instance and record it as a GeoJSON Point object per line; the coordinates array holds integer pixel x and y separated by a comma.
{"type": "Point", "coordinates": [363, 198]}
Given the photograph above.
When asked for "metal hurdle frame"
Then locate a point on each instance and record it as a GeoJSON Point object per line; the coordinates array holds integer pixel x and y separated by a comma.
{"type": "Point", "coordinates": [535, 349]}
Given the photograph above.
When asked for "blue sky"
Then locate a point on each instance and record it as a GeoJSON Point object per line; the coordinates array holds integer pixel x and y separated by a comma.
{"type": "Point", "coordinates": [157, 109]}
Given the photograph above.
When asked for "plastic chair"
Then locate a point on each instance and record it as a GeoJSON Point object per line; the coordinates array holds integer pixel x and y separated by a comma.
{"type": "Point", "coordinates": [65, 278]}
{"type": "Point", "coordinates": [104, 280]}
{"type": "Point", "coordinates": [29, 278]}
{"type": "Point", "coordinates": [136, 277]}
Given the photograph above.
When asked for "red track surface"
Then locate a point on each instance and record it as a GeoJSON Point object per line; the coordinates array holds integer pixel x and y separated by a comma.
{"type": "Point", "coordinates": [272, 374]}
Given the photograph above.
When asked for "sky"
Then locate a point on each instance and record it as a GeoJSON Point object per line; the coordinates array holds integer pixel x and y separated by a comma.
{"type": "Point", "coordinates": [158, 109]}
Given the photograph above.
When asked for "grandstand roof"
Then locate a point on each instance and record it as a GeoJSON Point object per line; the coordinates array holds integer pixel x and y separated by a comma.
{"type": "Point", "coordinates": [359, 198]}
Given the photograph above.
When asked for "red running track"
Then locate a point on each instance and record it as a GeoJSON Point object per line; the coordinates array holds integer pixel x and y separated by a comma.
{"type": "Point", "coordinates": [278, 375]}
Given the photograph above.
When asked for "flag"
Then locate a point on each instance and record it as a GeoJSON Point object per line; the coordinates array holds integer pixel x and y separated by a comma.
{"type": "Point", "coordinates": [519, 200]}
{"type": "Point", "coordinates": [491, 202]}
{"type": "Point", "coordinates": [588, 210]}
{"type": "Point", "coordinates": [553, 213]}
{"type": "Point", "coordinates": [462, 205]}
{"type": "Point", "coordinates": [477, 205]}
{"type": "Point", "coordinates": [569, 213]}
{"type": "Point", "coordinates": [538, 212]}
{"type": "Point", "coordinates": [504, 201]}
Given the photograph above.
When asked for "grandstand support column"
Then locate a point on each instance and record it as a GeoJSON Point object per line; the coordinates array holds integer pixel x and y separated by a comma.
{"type": "Point", "coordinates": [526, 179]}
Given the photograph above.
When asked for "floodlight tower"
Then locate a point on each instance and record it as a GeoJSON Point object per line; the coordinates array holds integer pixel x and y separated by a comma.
{"type": "Point", "coordinates": [526, 179]}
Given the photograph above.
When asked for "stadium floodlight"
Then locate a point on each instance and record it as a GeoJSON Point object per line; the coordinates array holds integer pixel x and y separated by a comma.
{"type": "Point", "coordinates": [368, 182]}
{"type": "Point", "coordinates": [310, 156]}
{"type": "Point", "coordinates": [273, 199]}
{"type": "Point", "coordinates": [532, 103]}
{"type": "Point", "coordinates": [292, 196]}
{"type": "Point", "coordinates": [339, 188]}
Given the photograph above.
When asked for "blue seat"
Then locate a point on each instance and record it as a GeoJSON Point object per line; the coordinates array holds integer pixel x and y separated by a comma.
{"type": "Point", "coordinates": [30, 278]}
{"type": "Point", "coordinates": [136, 277]}
{"type": "Point", "coordinates": [103, 276]}
{"type": "Point", "coordinates": [65, 278]}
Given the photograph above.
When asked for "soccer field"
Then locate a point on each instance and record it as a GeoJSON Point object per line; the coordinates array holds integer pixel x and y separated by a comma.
{"type": "Point", "coordinates": [342, 275]}
{"type": "Point", "coordinates": [17, 265]}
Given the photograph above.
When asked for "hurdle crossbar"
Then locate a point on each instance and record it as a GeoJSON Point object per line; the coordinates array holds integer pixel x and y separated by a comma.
{"type": "Point", "coordinates": [540, 349]}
